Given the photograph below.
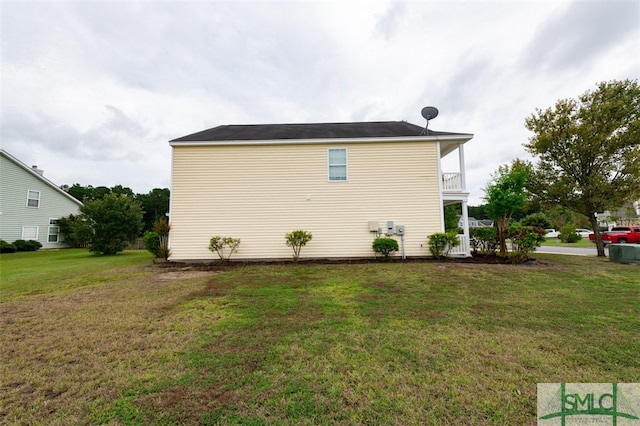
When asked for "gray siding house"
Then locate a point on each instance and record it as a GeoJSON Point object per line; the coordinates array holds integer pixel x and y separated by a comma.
{"type": "Point", "coordinates": [30, 204]}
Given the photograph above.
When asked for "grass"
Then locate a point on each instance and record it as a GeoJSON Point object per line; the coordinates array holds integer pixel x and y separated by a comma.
{"type": "Point", "coordinates": [584, 242]}
{"type": "Point", "coordinates": [122, 342]}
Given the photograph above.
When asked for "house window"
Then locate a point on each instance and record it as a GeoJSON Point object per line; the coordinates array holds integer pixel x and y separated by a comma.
{"type": "Point", "coordinates": [33, 199]}
{"type": "Point", "coordinates": [53, 234]}
{"type": "Point", "coordinates": [29, 233]}
{"type": "Point", "coordinates": [337, 160]}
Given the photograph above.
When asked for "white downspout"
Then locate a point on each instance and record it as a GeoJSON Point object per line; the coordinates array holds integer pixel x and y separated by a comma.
{"type": "Point", "coordinates": [465, 210]}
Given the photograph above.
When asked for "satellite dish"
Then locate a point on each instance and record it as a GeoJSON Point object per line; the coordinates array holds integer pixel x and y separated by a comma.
{"type": "Point", "coordinates": [428, 113]}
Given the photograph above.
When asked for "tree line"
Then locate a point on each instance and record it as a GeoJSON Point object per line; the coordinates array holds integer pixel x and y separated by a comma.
{"type": "Point", "coordinates": [111, 218]}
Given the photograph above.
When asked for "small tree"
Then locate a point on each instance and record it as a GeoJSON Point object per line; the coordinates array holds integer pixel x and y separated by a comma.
{"type": "Point", "coordinates": [505, 196]}
{"type": "Point", "coordinates": [385, 246]}
{"type": "Point", "coordinates": [116, 221]}
{"type": "Point", "coordinates": [296, 240]}
{"type": "Point", "coordinates": [441, 243]}
{"type": "Point", "coordinates": [224, 246]}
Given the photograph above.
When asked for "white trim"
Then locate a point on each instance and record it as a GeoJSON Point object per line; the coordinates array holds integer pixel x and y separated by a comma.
{"type": "Point", "coordinates": [37, 228]}
{"type": "Point", "coordinates": [440, 192]}
{"type": "Point", "coordinates": [29, 199]}
{"type": "Point", "coordinates": [346, 164]}
{"type": "Point", "coordinates": [461, 137]}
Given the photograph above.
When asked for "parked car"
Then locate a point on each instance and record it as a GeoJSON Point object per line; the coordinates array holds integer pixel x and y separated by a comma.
{"type": "Point", "coordinates": [584, 233]}
{"type": "Point", "coordinates": [551, 233]}
{"type": "Point", "coordinates": [620, 234]}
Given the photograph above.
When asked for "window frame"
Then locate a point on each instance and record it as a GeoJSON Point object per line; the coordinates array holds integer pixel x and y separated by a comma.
{"type": "Point", "coordinates": [29, 191]}
{"type": "Point", "coordinates": [25, 237]}
{"type": "Point", "coordinates": [345, 165]}
{"type": "Point", "coordinates": [53, 224]}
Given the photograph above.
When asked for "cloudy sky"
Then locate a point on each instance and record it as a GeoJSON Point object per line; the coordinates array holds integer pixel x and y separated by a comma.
{"type": "Point", "coordinates": [92, 91]}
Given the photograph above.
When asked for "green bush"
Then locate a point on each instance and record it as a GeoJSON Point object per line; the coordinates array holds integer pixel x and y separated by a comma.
{"type": "Point", "coordinates": [6, 247]}
{"type": "Point", "coordinates": [296, 240]}
{"type": "Point", "coordinates": [151, 242]}
{"type": "Point", "coordinates": [224, 246]}
{"type": "Point", "coordinates": [484, 241]}
{"type": "Point", "coordinates": [31, 245]}
{"type": "Point", "coordinates": [568, 234]}
{"type": "Point", "coordinates": [441, 243]}
{"type": "Point", "coordinates": [524, 240]}
{"type": "Point", "coordinates": [385, 246]}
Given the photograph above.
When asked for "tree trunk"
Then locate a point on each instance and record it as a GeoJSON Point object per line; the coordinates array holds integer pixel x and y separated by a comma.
{"type": "Point", "coordinates": [593, 220]}
{"type": "Point", "coordinates": [503, 229]}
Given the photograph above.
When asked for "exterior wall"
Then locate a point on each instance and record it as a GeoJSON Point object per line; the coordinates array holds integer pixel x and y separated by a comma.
{"type": "Point", "coordinates": [258, 193]}
{"type": "Point", "coordinates": [14, 214]}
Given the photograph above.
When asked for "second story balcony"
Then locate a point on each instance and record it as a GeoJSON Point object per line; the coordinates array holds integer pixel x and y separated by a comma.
{"type": "Point", "coordinates": [452, 182]}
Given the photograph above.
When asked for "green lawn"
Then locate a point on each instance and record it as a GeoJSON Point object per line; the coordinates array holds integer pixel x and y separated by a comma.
{"type": "Point", "coordinates": [116, 340]}
{"type": "Point", "coordinates": [585, 242]}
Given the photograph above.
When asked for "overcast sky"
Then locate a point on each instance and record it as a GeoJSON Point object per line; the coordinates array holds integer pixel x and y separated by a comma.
{"type": "Point", "coordinates": [93, 91]}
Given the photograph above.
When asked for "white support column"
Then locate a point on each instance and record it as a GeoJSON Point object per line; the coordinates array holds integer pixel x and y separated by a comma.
{"type": "Point", "coordinates": [461, 166]}
{"type": "Point", "coordinates": [465, 225]}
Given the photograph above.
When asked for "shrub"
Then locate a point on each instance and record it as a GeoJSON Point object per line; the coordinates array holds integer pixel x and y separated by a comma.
{"type": "Point", "coordinates": [385, 246]}
{"type": "Point", "coordinates": [151, 242]}
{"type": "Point", "coordinates": [524, 239]}
{"type": "Point", "coordinates": [220, 245]}
{"type": "Point", "coordinates": [31, 245]}
{"type": "Point", "coordinates": [568, 234]}
{"type": "Point", "coordinates": [441, 243]}
{"type": "Point", "coordinates": [6, 247]}
{"type": "Point", "coordinates": [484, 241]}
{"type": "Point", "coordinates": [296, 240]}
{"type": "Point", "coordinates": [162, 228]}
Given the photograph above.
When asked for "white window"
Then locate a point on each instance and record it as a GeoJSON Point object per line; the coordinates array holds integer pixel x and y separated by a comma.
{"type": "Point", "coordinates": [53, 234]}
{"type": "Point", "coordinates": [33, 198]}
{"type": "Point", "coordinates": [29, 233]}
{"type": "Point", "coordinates": [337, 161]}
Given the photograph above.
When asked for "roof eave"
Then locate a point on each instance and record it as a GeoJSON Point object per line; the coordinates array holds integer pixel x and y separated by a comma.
{"type": "Point", "coordinates": [457, 137]}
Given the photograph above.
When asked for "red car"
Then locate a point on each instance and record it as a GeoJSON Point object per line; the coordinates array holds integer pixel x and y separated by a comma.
{"type": "Point", "coordinates": [619, 234]}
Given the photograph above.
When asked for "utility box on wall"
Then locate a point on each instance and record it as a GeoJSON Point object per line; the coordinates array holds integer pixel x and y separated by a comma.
{"type": "Point", "coordinates": [400, 229]}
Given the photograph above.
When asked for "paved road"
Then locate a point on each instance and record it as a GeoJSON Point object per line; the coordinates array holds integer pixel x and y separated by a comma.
{"type": "Point", "coordinates": [576, 251]}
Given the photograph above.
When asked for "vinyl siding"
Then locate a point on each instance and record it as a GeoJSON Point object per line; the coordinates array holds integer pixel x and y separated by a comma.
{"type": "Point", "coordinates": [259, 193]}
{"type": "Point", "coordinates": [15, 182]}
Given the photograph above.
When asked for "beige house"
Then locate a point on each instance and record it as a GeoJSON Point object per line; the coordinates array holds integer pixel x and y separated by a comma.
{"type": "Point", "coordinates": [346, 183]}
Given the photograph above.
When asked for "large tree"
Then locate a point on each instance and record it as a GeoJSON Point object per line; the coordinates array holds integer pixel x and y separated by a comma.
{"type": "Point", "coordinates": [505, 196]}
{"type": "Point", "coordinates": [588, 151]}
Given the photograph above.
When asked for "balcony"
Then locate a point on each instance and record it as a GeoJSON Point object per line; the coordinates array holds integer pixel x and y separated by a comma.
{"type": "Point", "coordinates": [452, 182]}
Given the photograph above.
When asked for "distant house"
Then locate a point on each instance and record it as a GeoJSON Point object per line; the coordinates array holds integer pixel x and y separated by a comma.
{"type": "Point", "coordinates": [30, 204]}
{"type": "Point", "coordinates": [476, 223]}
{"type": "Point", "coordinates": [346, 183]}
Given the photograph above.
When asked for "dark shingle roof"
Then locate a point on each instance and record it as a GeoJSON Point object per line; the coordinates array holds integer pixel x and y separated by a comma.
{"type": "Point", "coordinates": [248, 132]}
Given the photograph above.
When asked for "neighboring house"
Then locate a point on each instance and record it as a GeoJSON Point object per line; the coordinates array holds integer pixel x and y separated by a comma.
{"type": "Point", "coordinates": [476, 223]}
{"type": "Point", "coordinates": [627, 215]}
{"type": "Point", "coordinates": [30, 204]}
{"type": "Point", "coordinates": [343, 182]}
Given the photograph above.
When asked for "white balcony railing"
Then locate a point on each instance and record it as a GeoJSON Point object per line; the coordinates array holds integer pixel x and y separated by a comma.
{"type": "Point", "coordinates": [451, 182]}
